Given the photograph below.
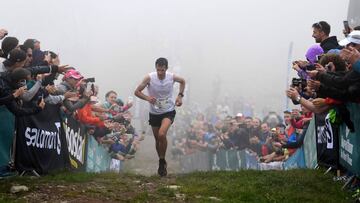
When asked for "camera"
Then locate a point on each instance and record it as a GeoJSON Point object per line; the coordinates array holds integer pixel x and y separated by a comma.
{"type": "Point", "coordinates": [298, 82]}
{"type": "Point", "coordinates": [87, 85]}
{"type": "Point", "coordinates": [310, 67]}
{"type": "Point", "coordinates": [89, 80]}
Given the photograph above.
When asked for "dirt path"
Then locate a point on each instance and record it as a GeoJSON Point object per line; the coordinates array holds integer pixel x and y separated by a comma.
{"type": "Point", "coordinates": [146, 159]}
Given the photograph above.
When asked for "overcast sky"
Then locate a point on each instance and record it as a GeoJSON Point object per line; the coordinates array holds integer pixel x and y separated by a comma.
{"type": "Point", "coordinates": [244, 44]}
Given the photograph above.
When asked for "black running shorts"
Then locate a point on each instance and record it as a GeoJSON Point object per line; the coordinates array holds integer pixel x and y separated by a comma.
{"type": "Point", "coordinates": [156, 119]}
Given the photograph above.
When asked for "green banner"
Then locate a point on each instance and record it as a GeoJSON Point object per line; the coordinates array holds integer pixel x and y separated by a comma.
{"type": "Point", "coordinates": [350, 142]}
{"type": "Point", "coordinates": [98, 159]}
{"type": "Point", "coordinates": [310, 152]}
{"type": "Point", "coordinates": [6, 135]}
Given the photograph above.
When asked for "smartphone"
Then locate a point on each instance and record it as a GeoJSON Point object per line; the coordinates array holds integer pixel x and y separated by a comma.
{"type": "Point", "coordinates": [310, 67]}
{"type": "Point", "coordinates": [88, 87]}
{"type": "Point", "coordinates": [346, 26]}
{"type": "Point", "coordinates": [40, 98]}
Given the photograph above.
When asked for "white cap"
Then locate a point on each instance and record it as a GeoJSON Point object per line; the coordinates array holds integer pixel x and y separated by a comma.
{"type": "Point", "coordinates": [353, 37]}
{"type": "Point", "coordinates": [239, 115]}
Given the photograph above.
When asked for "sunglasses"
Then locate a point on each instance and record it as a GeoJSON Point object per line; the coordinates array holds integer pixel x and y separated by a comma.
{"type": "Point", "coordinates": [319, 25]}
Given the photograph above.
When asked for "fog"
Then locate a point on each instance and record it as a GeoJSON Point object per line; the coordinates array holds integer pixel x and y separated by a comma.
{"type": "Point", "coordinates": [243, 44]}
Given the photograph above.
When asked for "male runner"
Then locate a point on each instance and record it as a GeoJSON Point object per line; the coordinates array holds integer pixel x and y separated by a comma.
{"type": "Point", "coordinates": [162, 106]}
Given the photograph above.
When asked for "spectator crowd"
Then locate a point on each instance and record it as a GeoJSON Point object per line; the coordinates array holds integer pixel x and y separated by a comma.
{"type": "Point", "coordinates": [29, 82]}
{"type": "Point", "coordinates": [328, 78]}
{"type": "Point", "coordinates": [269, 139]}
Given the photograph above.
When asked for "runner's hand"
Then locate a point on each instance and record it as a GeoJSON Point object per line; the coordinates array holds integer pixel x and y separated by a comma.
{"type": "Point", "coordinates": [151, 100]}
{"type": "Point", "coordinates": [178, 101]}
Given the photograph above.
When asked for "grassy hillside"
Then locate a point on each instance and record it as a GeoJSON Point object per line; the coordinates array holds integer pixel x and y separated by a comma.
{"type": "Point", "coordinates": [243, 186]}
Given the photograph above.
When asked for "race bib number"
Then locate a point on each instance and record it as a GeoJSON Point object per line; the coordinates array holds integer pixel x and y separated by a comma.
{"type": "Point", "coordinates": [162, 103]}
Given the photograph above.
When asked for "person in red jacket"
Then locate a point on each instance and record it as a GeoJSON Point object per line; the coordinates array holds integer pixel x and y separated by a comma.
{"type": "Point", "coordinates": [86, 116]}
{"type": "Point", "coordinates": [304, 118]}
{"type": "Point", "coordinates": [99, 126]}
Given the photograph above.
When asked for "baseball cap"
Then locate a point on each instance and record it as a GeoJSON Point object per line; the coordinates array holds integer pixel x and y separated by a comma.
{"type": "Point", "coordinates": [72, 74]}
{"type": "Point", "coordinates": [353, 37]}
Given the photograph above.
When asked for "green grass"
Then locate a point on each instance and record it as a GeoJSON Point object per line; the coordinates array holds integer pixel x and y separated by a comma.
{"type": "Point", "coordinates": [260, 186]}
{"type": "Point", "coordinates": [243, 186]}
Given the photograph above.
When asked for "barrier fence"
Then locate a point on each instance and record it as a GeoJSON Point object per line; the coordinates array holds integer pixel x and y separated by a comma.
{"type": "Point", "coordinates": [234, 160]}
{"type": "Point", "coordinates": [304, 157]}
{"type": "Point", "coordinates": [7, 129]}
{"type": "Point", "coordinates": [46, 142]}
{"type": "Point", "coordinates": [350, 142]}
{"type": "Point", "coordinates": [320, 147]}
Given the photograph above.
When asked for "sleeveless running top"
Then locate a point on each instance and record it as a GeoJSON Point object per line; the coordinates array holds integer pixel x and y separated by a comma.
{"type": "Point", "coordinates": [162, 90]}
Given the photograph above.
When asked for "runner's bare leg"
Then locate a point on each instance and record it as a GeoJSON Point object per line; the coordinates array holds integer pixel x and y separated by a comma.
{"type": "Point", "coordinates": [156, 136]}
{"type": "Point", "coordinates": [165, 125]}
{"type": "Point", "coordinates": [160, 137]}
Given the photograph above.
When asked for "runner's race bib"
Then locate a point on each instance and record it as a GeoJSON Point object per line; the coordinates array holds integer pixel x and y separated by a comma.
{"type": "Point", "coordinates": [163, 103]}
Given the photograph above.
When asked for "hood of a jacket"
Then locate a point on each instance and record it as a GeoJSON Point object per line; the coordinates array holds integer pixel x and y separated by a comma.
{"type": "Point", "coordinates": [330, 43]}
